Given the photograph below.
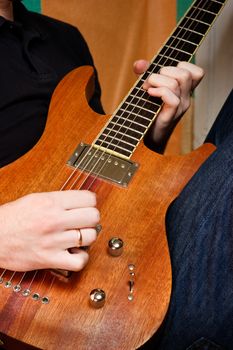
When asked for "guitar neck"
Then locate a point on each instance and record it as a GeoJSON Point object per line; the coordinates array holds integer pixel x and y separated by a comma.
{"type": "Point", "coordinates": [138, 110]}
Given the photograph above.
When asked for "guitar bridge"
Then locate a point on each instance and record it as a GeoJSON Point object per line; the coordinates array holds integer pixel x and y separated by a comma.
{"type": "Point", "coordinates": [103, 164]}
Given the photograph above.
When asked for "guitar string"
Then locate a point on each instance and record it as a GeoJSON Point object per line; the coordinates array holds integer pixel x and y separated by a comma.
{"type": "Point", "coordinates": [17, 287]}
{"type": "Point", "coordinates": [144, 93]}
{"type": "Point", "coordinates": [30, 283]}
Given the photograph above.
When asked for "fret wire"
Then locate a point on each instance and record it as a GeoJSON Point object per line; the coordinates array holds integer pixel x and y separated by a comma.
{"type": "Point", "coordinates": [143, 126]}
{"type": "Point", "coordinates": [187, 41]}
{"type": "Point", "coordinates": [132, 113]}
{"type": "Point", "coordinates": [212, 13]}
{"type": "Point", "coordinates": [193, 31]}
{"type": "Point", "coordinates": [124, 149]}
{"type": "Point", "coordinates": [173, 59]}
{"type": "Point", "coordinates": [125, 108]}
{"type": "Point", "coordinates": [121, 140]}
{"type": "Point", "coordinates": [143, 108]}
{"type": "Point", "coordinates": [177, 50]}
{"type": "Point", "coordinates": [119, 132]}
{"type": "Point", "coordinates": [197, 20]}
{"type": "Point", "coordinates": [219, 2]}
{"type": "Point", "coordinates": [139, 132]}
{"type": "Point", "coordinates": [144, 99]}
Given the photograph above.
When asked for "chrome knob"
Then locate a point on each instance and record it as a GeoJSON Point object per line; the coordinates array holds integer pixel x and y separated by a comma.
{"type": "Point", "coordinates": [97, 298]}
{"type": "Point", "coordinates": [115, 246]}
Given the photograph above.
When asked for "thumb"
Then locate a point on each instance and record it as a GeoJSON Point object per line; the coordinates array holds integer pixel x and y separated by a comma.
{"type": "Point", "coordinates": [140, 66]}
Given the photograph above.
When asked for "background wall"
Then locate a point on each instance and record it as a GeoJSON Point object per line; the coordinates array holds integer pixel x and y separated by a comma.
{"type": "Point", "coordinates": [216, 57]}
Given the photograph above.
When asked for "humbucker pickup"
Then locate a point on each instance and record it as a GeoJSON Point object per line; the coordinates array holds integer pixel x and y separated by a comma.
{"type": "Point", "coordinates": [103, 164]}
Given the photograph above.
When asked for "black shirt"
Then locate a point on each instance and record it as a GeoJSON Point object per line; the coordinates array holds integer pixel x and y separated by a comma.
{"type": "Point", "coordinates": [36, 52]}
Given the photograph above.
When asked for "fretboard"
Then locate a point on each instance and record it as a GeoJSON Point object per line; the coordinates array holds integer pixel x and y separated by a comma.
{"type": "Point", "coordinates": [136, 113]}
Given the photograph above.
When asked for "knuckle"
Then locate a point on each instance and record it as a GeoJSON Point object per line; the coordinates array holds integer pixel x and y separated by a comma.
{"type": "Point", "coordinates": [174, 85]}
{"type": "Point", "coordinates": [80, 262]}
{"type": "Point", "coordinates": [200, 72]}
{"type": "Point", "coordinates": [185, 76]}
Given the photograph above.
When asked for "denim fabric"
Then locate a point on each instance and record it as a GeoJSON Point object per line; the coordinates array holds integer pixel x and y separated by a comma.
{"type": "Point", "coordinates": [200, 237]}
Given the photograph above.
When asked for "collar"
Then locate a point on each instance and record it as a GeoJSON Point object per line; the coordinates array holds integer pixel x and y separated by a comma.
{"type": "Point", "coordinates": [24, 18]}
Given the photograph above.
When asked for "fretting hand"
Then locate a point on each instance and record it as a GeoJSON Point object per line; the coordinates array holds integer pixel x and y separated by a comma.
{"type": "Point", "coordinates": [174, 86]}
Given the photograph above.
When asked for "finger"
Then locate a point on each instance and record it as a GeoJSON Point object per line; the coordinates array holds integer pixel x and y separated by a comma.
{"type": "Point", "coordinates": [140, 66]}
{"type": "Point", "coordinates": [68, 239]}
{"type": "Point", "coordinates": [71, 238]}
{"type": "Point", "coordinates": [183, 79]}
{"type": "Point", "coordinates": [158, 80]}
{"type": "Point", "coordinates": [74, 198]}
{"type": "Point", "coordinates": [81, 218]}
{"type": "Point", "coordinates": [170, 106]}
{"type": "Point", "coordinates": [196, 72]}
{"type": "Point", "coordinates": [70, 261]}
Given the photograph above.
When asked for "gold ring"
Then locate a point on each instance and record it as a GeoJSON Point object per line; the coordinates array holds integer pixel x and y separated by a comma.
{"type": "Point", "coordinates": [79, 239]}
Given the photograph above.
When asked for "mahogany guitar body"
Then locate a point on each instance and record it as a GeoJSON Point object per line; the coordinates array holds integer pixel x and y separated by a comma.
{"type": "Point", "coordinates": [136, 214]}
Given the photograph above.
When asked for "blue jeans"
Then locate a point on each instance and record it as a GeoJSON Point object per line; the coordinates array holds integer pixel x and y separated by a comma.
{"type": "Point", "coordinates": [200, 237]}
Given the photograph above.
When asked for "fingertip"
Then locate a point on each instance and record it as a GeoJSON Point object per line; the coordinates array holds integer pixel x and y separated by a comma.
{"type": "Point", "coordinates": [140, 66]}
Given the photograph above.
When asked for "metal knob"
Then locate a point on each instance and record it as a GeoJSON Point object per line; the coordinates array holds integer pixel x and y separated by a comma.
{"type": "Point", "coordinates": [115, 246]}
{"type": "Point", "coordinates": [97, 298]}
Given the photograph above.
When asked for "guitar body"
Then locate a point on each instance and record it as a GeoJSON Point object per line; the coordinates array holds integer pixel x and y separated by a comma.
{"type": "Point", "coordinates": [136, 214]}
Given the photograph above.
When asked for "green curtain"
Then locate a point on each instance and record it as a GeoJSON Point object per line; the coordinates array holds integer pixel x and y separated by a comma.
{"type": "Point", "coordinates": [33, 5]}
{"type": "Point", "coordinates": [182, 6]}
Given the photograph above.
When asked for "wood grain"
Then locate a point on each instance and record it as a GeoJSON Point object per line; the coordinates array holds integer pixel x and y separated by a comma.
{"type": "Point", "coordinates": [136, 214]}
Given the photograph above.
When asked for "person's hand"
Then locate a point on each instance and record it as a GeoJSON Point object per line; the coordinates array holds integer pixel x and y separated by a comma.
{"type": "Point", "coordinates": [39, 230]}
{"type": "Point", "coordinates": [174, 86]}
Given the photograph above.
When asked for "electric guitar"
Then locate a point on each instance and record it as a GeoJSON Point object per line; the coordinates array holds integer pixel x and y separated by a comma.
{"type": "Point", "coordinates": [121, 298]}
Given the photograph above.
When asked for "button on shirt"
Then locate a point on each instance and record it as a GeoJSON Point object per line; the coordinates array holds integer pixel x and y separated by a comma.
{"type": "Point", "coordinates": [36, 52]}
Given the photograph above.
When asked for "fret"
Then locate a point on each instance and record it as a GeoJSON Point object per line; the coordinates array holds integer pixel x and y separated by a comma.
{"type": "Point", "coordinates": [176, 55]}
{"type": "Point", "coordinates": [124, 129]}
{"type": "Point", "coordinates": [135, 118]}
{"type": "Point", "coordinates": [188, 34]}
{"type": "Point", "coordinates": [138, 92]}
{"type": "Point", "coordinates": [198, 26]}
{"type": "Point", "coordinates": [115, 140]}
{"type": "Point", "coordinates": [142, 108]}
{"type": "Point", "coordinates": [182, 44]}
{"type": "Point", "coordinates": [118, 149]}
{"type": "Point", "coordinates": [130, 123]}
{"type": "Point", "coordinates": [128, 109]}
{"type": "Point", "coordinates": [175, 48]}
{"type": "Point", "coordinates": [144, 103]}
{"type": "Point", "coordinates": [204, 17]}
{"type": "Point", "coordinates": [213, 6]}
{"type": "Point", "coordinates": [154, 68]}
{"type": "Point", "coordinates": [198, 20]}
{"type": "Point", "coordinates": [165, 60]}
{"type": "Point", "coordinates": [152, 72]}
{"type": "Point", "coordinates": [148, 99]}
{"type": "Point", "coordinates": [212, 13]}
{"type": "Point", "coordinates": [145, 76]}
{"type": "Point", "coordinates": [186, 41]}
{"type": "Point", "coordinates": [130, 112]}
{"type": "Point", "coordinates": [218, 1]}
{"type": "Point", "coordinates": [115, 132]}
